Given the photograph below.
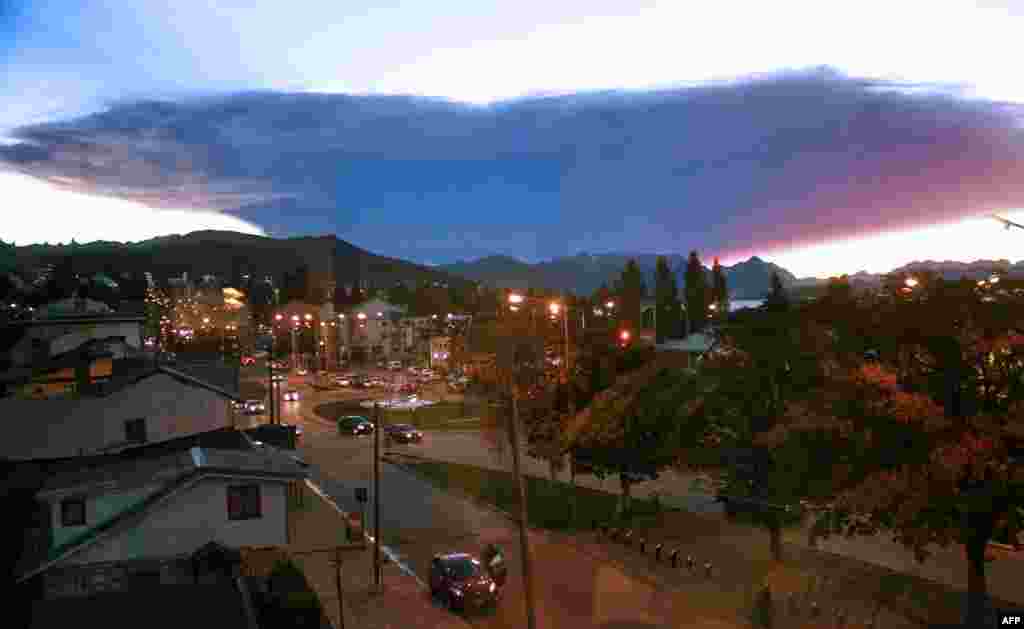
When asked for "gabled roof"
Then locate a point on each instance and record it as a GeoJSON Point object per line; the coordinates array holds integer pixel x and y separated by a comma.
{"type": "Point", "coordinates": [178, 473]}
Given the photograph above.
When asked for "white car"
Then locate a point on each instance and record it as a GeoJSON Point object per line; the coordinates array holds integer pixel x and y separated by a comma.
{"type": "Point", "coordinates": [395, 365]}
{"type": "Point", "coordinates": [291, 396]}
{"type": "Point", "coordinates": [301, 372]}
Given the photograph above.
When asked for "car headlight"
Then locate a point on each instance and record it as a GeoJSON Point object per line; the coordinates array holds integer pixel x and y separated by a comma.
{"type": "Point", "coordinates": [457, 591]}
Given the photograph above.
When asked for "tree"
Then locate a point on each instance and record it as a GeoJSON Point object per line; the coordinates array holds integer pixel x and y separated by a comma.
{"type": "Point", "coordinates": [906, 466]}
{"type": "Point", "coordinates": [63, 281]}
{"type": "Point", "coordinates": [636, 429]}
{"type": "Point", "coordinates": [630, 296]}
{"type": "Point", "coordinates": [719, 289]}
{"type": "Point", "coordinates": [667, 301]}
{"type": "Point", "coordinates": [777, 299]}
{"type": "Point", "coordinates": [696, 293]}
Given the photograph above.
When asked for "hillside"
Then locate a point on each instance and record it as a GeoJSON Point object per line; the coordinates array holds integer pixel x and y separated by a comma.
{"type": "Point", "coordinates": [230, 254]}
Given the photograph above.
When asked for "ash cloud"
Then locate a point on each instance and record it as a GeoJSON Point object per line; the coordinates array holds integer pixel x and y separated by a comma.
{"type": "Point", "coordinates": [761, 164]}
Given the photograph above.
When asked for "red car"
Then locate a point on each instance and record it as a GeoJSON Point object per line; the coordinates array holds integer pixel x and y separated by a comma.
{"type": "Point", "coordinates": [248, 360]}
{"type": "Point", "coordinates": [461, 581]}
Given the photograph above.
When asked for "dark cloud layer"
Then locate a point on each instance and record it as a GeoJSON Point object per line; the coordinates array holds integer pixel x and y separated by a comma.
{"type": "Point", "coordinates": [729, 168]}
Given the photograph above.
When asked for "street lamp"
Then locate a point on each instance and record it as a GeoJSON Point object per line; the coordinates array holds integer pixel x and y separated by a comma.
{"type": "Point", "coordinates": [361, 316]}
{"type": "Point", "coordinates": [911, 282]}
{"type": "Point", "coordinates": [515, 298]}
{"type": "Point", "coordinates": [309, 317]}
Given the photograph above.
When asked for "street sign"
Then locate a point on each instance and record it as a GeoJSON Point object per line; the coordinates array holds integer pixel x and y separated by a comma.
{"type": "Point", "coordinates": [361, 494]}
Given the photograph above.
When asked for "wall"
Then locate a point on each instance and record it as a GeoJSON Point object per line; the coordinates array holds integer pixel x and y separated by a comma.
{"type": "Point", "coordinates": [67, 427]}
{"type": "Point", "coordinates": [98, 508]}
{"type": "Point", "coordinates": [192, 519]}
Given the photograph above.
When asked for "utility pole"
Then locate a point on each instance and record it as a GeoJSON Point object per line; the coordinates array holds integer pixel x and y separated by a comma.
{"type": "Point", "coordinates": [337, 584]}
{"type": "Point", "coordinates": [376, 496]}
{"type": "Point", "coordinates": [524, 544]}
{"type": "Point", "coordinates": [270, 376]}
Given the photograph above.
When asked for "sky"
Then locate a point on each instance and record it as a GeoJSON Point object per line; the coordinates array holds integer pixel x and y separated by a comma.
{"type": "Point", "coordinates": [826, 137]}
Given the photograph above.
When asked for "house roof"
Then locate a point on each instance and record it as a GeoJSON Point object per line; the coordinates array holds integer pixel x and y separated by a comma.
{"type": "Point", "coordinates": [156, 607]}
{"type": "Point", "coordinates": [697, 342]}
{"type": "Point", "coordinates": [118, 382]}
{"type": "Point", "coordinates": [180, 472]}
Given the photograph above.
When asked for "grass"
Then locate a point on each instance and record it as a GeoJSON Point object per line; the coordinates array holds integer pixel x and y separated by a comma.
{"type": "Point", "coordinates": [441, 416]}
{"type": "Point", "coordinates": [547, 501]}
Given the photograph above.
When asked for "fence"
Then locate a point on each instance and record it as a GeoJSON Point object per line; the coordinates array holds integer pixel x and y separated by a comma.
{"type": "Point", "coordinates": [832, 591]}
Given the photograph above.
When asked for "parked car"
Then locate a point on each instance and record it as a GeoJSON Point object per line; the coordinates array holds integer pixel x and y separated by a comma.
{"type": "Point", "coordinates": [291, 396]}
{"type": "Point", "coordinates": [302, 371]}
{"type": "Point", "coordinates": [395, 365]}
{"type": "Point", "coordinates": [461, 581]}
{"type": "Point", "coordinates": [408, 387]}
{"type": "Point", "coordinates": [355, 425]}
{"type": "Point", "coordinates": [345, 380]}
{"type": "Point", "coordinates": [278, 377]}
{"type": "Point", "coordinates": [254, 407]}
{"type": "Point", "coordinates": [414, 370]}
{"type": "Point", "coordinates": [381, 364]}
{"type": "Point", "coordinates": [248, 360]}
{"type": "Point", "coordinates": [276, 364]}
{"type": "Point", "coordinates": [403, 433]}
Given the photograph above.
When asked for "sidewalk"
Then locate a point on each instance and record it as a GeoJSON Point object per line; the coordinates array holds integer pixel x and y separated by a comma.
{"type": "Point", "coordinates": [402, 603]}
{"type": "Point", "coordinates": [947, 566]}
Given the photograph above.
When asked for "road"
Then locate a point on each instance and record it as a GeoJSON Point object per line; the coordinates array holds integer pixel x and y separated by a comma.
{"type": "Point", "coordinates": [417, 521]}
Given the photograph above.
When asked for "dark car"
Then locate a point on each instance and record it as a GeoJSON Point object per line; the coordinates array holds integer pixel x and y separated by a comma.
{"type": "Point", "coordinates": [461, 582]}
{"type": "Point", "coordinates": [403, 433]}
{"type": "Point", "coordinates": [355, 425]}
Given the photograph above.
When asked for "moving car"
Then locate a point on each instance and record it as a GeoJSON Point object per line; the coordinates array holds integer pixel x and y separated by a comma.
{"type": "Point", "coordinates": [354, 425]}
{"type": "Point", "coordinates": [395, 365]}
{"type": "Point", "coordinates": [279, 377]}
{"type": "Point", "coordinates": [291, 396]}
{"type": "Point", "coordinates": [248, 360]}
{"type": "Point", "coordinates": [301, 371]}
{"type": "Point", "coordinates": [276, 364]}
{"type": "Point", "coordinates": [403, 433]}
{"type": "Point", "coordinates": [254, 407]}
{"type": "Point", "coordinates": [345, 380]}
{"type": "Point", "coordinates": [461, 581]}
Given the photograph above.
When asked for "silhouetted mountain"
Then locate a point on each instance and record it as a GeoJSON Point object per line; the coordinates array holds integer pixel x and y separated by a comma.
{"type": "Point", "coordinates": [584, 273]}
{"type": "Point", "coordinates": [231, 254]}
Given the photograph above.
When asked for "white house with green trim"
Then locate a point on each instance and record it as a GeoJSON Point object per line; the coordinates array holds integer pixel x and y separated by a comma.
{"type": "Point", "coordinates": [129, 508]}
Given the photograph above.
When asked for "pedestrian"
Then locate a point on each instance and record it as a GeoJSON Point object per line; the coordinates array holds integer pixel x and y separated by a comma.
{"type": "Point", "coordinates": [689, 563]}
{"type": "Point", "coordinates": [707, 569]}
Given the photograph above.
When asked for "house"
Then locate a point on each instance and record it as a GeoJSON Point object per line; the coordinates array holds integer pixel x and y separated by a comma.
{"type": "Point", "coordinates": [112, 518]}
{"type": "Point", "coordinates": [145, 405]}
{"type": "Point", "coordinates": [65, 325]}
{"type": "Point", "coordinates": [694, 346]}
{"type": "Point", "coordinates": [371, 330]}
{"type": "Point", "coordinates": [440, 350]}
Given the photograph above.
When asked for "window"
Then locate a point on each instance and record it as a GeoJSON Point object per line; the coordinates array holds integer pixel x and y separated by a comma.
{"type": "Point", "coordinates": [135, 430]}
{"type": "Point", "coordinates": [72, 512]}
{"type": "Point", "coordinates": [244, 502]}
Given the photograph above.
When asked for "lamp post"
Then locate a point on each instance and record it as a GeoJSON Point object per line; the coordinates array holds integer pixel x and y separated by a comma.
{"type": "Point", "coordinates": [515, 300]}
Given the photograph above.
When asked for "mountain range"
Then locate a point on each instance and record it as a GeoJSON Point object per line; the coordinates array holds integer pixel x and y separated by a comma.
{"type": "Point", "coordinates": [585, 273]}
{"type": "Point", "coordinates": [231, 254]}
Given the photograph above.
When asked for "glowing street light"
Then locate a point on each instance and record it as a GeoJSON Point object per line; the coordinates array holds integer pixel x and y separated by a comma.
{"type": "Point", "coordinates": [309, 317]}
{"type": "Point", "coordinates": [341, 316]}
{"type": "Point", "coordinates": [994, 279]}
{"type": "Point", "coordinates": [609, 304]}
{"type": "Point", "coordinates": [278, 317]}
{"type": "Point", "coordinates": [361, 316]}
{"type": "Point", "coordinates": [206, 320]}
{"type": "Point", "coordinates": [295, 318]}
{"type": "Point", "coordinates": [515, 298]}
{"type": "Point", "coordinates": [911, 282]}
{"type": "Point", "coordinates": [624, 335]}
{"type": "Point", "coordinates": [555, 307]}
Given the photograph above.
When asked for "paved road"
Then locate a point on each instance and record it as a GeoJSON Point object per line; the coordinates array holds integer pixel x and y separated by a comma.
{"type": "Point", "coordinates": [417, 520]}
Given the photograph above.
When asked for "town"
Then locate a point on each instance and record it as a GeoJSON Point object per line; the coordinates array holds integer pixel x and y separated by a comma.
{"type": "Point", "coordinates": [309, 445]}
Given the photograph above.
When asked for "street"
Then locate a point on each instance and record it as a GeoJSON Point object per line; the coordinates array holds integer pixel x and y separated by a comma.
{"type": "Point", "coordinates": [573, 589]}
